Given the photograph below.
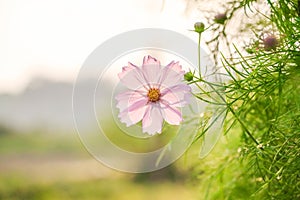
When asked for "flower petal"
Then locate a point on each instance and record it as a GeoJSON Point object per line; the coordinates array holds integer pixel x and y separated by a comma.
{"type": "Point", "coordinates": [132, 105]}
{"type": "Point", "coordinates": [175, 66]}
{"type": "Point", "coordinates": [172, 115]}
{"type": "Point", "coordinates": [126, 99]}
{"type": "Point", "coordinates": [134, 113]}
{"type": "Point", "coordinates": [152, 70]}
{"type": "Point", "coordinates": [150, 60]}
{"type": "Point", "coordinates": [132, 77]}
{"type": "Point", "coordinates": [177, 96]}
{"type": "Point", "coordinates": [171, 74]}
{"type": "Point", "coordinates": [153, 120]}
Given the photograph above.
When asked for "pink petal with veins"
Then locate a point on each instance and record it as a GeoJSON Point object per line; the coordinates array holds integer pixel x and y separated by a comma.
{"type": "Point", "coordinates": [132, 105]}
{"type": "Point", "coordinates": [150, 60]}
{"type": "Point", "coordinates": [134, 113]}
{"type": "Point", "coordinates": [126, 99]}
{"type": "Point", "coordinates": [178, 95]}
{"type": "Point", "coordinates": [175, 66]}
{"type": "Point", "coordinates": [152, 70]}
{"type": "Point", "coordinates": [153, 120]}
{"type": "Point", "coordinates": [132, 77]}
{"type": "Point", "coordinates": [172, 115]}
{"type": "Point", "coordinates": [171, 75]}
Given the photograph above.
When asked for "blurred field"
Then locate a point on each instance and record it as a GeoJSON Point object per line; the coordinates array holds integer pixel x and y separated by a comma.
{"type": "Point", "coordinates": [35, 165]}
{"type": "Point", "coordinates": [43, 166]}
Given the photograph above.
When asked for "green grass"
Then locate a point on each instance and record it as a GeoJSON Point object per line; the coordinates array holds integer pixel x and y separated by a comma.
{"type": "Point", "coordinates": [42, 173]}
{"type": "Point", "coordinates": [38, 143]}
{"type": "Point", "coordinates": [114, 189]}
{"type": "Point", "coordinates": [39, 166]}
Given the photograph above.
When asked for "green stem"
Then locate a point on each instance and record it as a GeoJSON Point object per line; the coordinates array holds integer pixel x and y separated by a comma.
{"type": "Point", "coordinates": [234, 114]}
{"type": "Point", "coordinates": [199, 55]}
{"type": "Point", "coordinates": [243, 125]}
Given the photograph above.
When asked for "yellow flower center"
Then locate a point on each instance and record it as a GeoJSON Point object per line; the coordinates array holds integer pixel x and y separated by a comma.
{"type": "Point", "coordinates": [153, 94]}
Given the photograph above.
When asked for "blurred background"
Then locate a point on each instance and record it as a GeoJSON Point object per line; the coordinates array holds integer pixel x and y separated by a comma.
{"type": "Point", "coordinates": [43, 45]}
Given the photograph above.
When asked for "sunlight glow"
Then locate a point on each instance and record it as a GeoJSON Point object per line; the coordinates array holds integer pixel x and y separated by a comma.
{"type": "Point", "coordinates": [52, 39]}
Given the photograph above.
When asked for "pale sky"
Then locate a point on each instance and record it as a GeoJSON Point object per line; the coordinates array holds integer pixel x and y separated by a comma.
{"type": "Point", "coordinates": [52, 38]}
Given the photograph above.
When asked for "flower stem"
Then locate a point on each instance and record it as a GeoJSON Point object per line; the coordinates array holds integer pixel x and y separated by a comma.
{"type": "Point", "coordinates": [243, 125]}
{"type": "Point", "coordinates": [199, 56]}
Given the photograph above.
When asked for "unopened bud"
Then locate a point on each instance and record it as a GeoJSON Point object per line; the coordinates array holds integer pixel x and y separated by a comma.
{"type": "Point", "coordinates": [188, 76]}
{"type": "Point", "coordinates": [199, 27]}
{"type": "Point", "coordinates": [220, 18]}
{"type": "Point", "coordinates": [270, 43]}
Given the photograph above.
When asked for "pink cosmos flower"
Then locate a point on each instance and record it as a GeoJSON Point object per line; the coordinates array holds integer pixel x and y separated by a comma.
{"type": "Point", "coordinates": [155, 94]}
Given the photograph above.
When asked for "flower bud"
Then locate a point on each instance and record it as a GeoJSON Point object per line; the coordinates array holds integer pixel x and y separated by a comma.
{"type": "Point", "coordinates": [220, 18]}
{"type": "Point", "coordinates": [199, 27]}
{"type": "Point", "coordinates": [270, 43]}
{"type": "Point", "coordinates": [188, 76]}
